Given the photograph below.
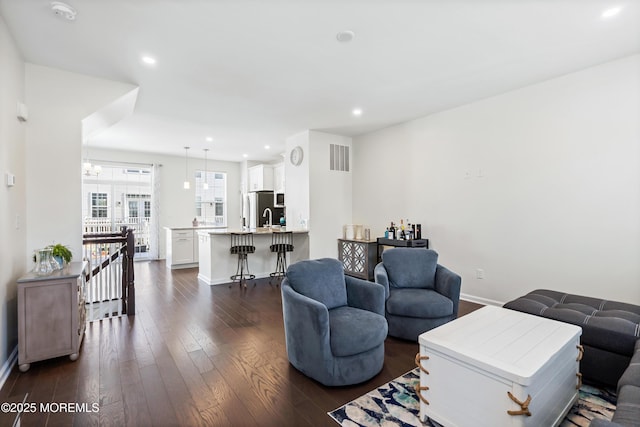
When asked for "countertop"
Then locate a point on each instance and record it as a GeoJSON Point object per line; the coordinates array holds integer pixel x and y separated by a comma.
{"type": "Point", "coordinates": [253, 230]}
{"type": "Point", "coordinates": [199, 227]}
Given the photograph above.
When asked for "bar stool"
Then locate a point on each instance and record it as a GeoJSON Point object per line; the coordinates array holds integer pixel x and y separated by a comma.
{"type": "Point", "coordinates": [242, 245]}
{"type": "Point", "coordinates": [281, 243]}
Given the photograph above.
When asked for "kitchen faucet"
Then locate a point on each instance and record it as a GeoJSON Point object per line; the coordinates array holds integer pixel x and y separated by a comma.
{"type": "Point", "coordinates": [264, 214]}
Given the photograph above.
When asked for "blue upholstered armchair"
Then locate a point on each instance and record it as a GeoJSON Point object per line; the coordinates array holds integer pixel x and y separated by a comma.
{"type": "Point", "coordinates": [334, 324]}
{"type": "Point", "coordinates": [420, 294]}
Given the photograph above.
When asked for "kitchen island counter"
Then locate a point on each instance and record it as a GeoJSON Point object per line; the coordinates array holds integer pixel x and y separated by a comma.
{"type": "Point", "coordinates": [217, 264]}
{"type": "Point", "coordinates": [255, 231]}
{"type": "Point", "coordinates": [182, 245]}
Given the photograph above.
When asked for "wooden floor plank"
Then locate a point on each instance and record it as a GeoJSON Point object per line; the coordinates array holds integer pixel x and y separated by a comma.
{"type": "Point", "coordinates": [157, 397]}
{"type": "Point", "coordinates": [193, 355]}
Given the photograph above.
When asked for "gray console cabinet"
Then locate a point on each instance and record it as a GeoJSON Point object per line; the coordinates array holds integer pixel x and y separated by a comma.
{"type": "Point", "coordinates": [358, 257]}
{"type": "Point", "coordinates": [51, 315]}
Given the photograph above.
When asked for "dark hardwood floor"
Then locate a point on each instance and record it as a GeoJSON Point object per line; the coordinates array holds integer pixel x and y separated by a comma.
{"type": "Point", "coordinates": [193, 355]}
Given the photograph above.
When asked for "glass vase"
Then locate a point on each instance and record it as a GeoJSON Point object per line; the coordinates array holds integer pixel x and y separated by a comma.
{"type": "Point", "coordinates": [45, 263]}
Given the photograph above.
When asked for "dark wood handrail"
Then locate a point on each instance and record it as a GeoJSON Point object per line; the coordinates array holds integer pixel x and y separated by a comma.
{"type": "Point", "coordinates": [106, 262]}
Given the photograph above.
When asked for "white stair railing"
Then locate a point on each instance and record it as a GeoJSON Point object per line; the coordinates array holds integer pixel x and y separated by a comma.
{"type": "Point", "coordinates": [110, 288]}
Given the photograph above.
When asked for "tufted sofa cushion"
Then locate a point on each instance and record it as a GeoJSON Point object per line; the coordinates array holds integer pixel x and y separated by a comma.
{"type": "Point", "coordinates": [609, 328]}
{"type": "Point", "coordinates": [628, 406]}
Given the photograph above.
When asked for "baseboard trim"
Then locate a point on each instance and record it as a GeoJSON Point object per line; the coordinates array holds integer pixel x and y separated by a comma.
{"type": "Point", "coordinates": [480, 300]}
{"type": "Point", "coordinates": [8, 366]}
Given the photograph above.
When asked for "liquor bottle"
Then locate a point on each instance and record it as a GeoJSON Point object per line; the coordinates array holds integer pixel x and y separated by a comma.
{"type": "Point", "coordinates": [392, 232]}
{"type": "Point", "coordinates": [386, 233]}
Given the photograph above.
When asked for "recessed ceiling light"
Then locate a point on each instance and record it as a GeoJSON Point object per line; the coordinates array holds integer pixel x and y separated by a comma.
{"type": "Point", "coordinates": [266, 147]}
{"type": "Point", "coordinates": [149, 60]}
{"type": "Point", "coordinates": [611, 12]}
{"type": "Point", "coordinates": [356, 112]}
{"type": "Point", "coordinates": [63, 10]}
{"type": "Point", "coordinates": [245, 155]}
{"type": "Point", "coordinates": [209, 139]}
{"type": "Point", "coordinates": [345, 36]}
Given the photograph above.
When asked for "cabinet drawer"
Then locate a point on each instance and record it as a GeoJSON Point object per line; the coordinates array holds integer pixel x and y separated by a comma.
{"type": "Point", "coordinates": [188, 234]}
{"type": "Point", "coordinates": [182, 239]}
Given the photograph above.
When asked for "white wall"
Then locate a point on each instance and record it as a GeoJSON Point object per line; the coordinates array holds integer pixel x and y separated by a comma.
{"type": "Point", "coordinates": [177, 205]}
{"type": "Point", "coordinates": [330, 196]}
{"type": "Point", "coordinates": [315, 195]}
{"type": "Point", "coordinates": [297, 182]}
{"type": "Point", "coordinates": [58, 101]}
{"type": "Point", "coordinates": [539, 187]}
{"type": "Point", "coordinates": [13, 200]}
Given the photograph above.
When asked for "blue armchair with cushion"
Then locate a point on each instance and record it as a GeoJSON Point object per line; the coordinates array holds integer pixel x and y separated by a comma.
{"type": "Point", "coordinates": [420, 294]}
{"type": "Point", "coordinates": [334, 324]}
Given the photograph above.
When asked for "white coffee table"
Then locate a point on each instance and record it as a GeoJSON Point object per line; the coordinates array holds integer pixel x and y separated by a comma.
{"type": "Point", "coordinates": [498, 367]}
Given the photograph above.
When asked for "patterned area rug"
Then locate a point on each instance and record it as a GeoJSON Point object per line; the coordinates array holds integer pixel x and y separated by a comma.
{"type": "Point", "coordinates": [396, 404]}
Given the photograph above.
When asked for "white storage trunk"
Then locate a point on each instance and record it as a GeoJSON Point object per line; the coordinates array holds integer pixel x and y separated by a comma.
{"type": "Point", "coordinates": [471, 366]}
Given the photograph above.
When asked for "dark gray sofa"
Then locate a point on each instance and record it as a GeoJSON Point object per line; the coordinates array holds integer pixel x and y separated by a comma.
{"type": "Point", "coordinates": [609, 329]}
{"type": "Point", "coordinates": [610, 337]}
{"type": "Point", "coordinates": [628, 407]}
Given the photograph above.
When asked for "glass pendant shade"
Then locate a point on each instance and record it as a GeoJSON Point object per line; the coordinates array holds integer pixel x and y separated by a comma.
{"type": "Point", "coordinates": [205, 185]}
{"type": "Point", "coordinates": [186, 184]}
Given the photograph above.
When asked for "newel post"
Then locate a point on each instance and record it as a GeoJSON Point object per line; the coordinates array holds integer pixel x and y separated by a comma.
{"type": "Point", "coordinates": [128, 275]}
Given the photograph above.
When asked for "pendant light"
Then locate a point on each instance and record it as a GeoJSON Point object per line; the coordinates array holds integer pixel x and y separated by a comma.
{"type": "Point", "coordinates": [87, 168]}
{"type": "Point", "coordinates": [205, 185]}
{"type": "Point", "coordinates": [187, 184]}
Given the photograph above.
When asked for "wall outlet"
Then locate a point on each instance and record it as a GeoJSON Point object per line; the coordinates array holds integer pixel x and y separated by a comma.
{"type": "Point", "coordinates": [479, 273]}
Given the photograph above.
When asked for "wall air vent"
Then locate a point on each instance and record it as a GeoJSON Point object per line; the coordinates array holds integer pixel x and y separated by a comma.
{"type": "Point", "coordinates": [339, 157]}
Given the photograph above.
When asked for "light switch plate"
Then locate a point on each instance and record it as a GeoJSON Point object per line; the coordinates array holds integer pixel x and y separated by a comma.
{"type": "Point", "coordinates": [11, 179]}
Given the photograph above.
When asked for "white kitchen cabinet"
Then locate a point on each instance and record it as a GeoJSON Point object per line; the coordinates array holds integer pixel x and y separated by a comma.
{"type": "Point", "coordinates": [181, 250]}
{"type": "Point", "coordinates": [183, 247]}
{"type": "Point", "coordinates": [278, 178]}
{"type": "Point", "coordinates": [261, 178]}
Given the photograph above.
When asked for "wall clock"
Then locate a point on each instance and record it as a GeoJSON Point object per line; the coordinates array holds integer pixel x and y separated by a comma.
{"type": "Point", "coordinates": [296, 156]}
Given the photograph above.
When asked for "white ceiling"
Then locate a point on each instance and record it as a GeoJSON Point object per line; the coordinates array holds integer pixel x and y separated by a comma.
{"type": "Point", "coordinates": [251, 73]}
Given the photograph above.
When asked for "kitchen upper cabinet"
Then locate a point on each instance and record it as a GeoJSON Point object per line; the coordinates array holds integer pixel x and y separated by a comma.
{"type": "Point", "coordinates": [261, 178]}
{"type": "Point", "coordinates": [278, 178]}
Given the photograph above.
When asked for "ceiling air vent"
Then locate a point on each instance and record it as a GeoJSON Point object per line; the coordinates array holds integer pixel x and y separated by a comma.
{"type": "Point", "coordinates": [339, 157]}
